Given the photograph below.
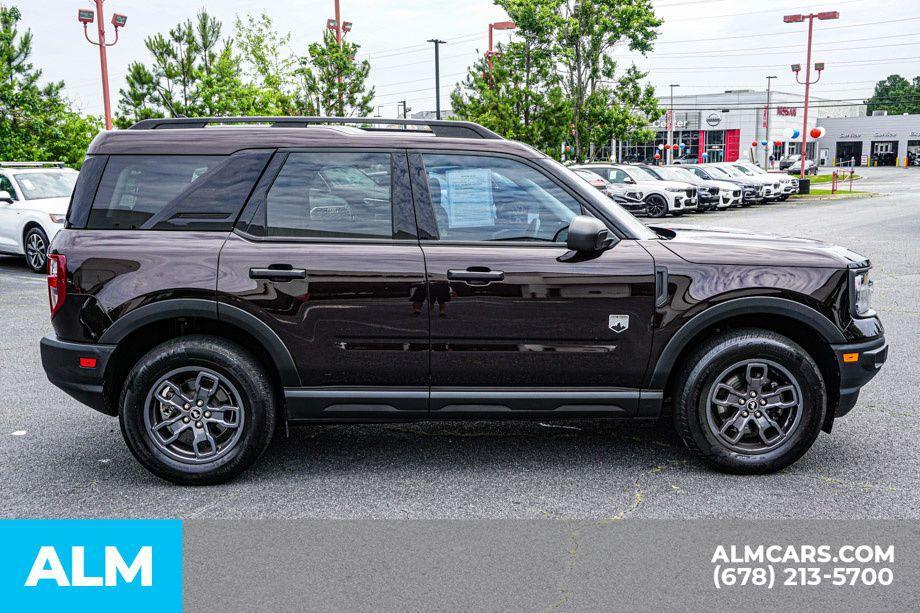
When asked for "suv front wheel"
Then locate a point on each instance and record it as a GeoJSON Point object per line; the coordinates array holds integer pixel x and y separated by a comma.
{"type": "Point", "coordinates": [197, 410]}
{"type": "Point", "coordinates": [749, 402]}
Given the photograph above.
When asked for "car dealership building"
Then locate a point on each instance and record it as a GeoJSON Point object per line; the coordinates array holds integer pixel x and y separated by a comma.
{"type": "Point", "coordinates": [726, 125]}
{"type": "Point", "coordinates": [880, 140]}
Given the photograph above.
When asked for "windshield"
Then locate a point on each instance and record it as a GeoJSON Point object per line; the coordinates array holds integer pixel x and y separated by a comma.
{"type": "Point", "coordinates": [639, 174]}
{"type": "Point", "coordinates": [658, 173]}
{"type": "Point", "coordinates": [680, 174]}
{"type": "Point", "coordinates": [731, 171]}
{"type": "Point", "coordinates": [757, 170]}
{"type": "Point", "coordinates": [607, 206]}
{"type": "Point", "coordinates": [716, 171]}
{"type": "Point", "coordinates": [744, 170]}
{"type": "Point", "coordinates": [38, 185]}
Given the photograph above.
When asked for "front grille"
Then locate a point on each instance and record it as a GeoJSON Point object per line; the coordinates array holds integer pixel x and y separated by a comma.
{"type": "Point", "coordinates": [691, 192]}
{"type": "Point", "coordinates": [736, 193]}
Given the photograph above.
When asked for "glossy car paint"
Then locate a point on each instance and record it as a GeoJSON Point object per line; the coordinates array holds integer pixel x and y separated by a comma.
{"type": "Point", "coordinates": [541, 336]}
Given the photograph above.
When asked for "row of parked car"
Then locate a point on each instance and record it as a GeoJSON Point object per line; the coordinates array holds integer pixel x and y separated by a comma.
{"type": "Point", "coordinates": [659, 190]}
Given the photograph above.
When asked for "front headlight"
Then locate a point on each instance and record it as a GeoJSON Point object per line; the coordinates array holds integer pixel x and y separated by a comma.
{"type": "Point", "coordinates": [57, 218]}
{"type": "Point", "coordinates": [861, 292]}
{"type": "Point", "coordinates": [676, 189]}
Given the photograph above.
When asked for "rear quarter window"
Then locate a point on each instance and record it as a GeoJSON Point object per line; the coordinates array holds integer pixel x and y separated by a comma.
{"type": "Point", "coordinates": [174, 192]}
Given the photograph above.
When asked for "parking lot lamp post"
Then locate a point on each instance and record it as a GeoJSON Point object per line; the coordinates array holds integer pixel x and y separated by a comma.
{"type": "Point", "coordinates": [437, 76]}
{"type": "Point", "coordinates": [769, 147]}
{"type": "Point", "coordinates": [86, 17]}
{"type": "Point", "coordinates": [498, 25]}
{"type": "Point", "coordinates": [670, 122]}
{"type": "Point", "coordinates": [807, 83]}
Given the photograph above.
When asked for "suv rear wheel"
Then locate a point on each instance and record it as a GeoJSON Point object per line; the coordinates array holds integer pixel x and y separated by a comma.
{"type": "Point", "coordinates": [750, 401]}
{"type": "Point", "coordinates": [197, 410]}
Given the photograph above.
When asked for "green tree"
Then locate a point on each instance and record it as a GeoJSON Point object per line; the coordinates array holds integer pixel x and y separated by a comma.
{"type": "Point", "coordinates": [195, 72]}
{"type": "Point", "coordinates": [333, 81]}
{"type": "Point", "coordinates": [557, 81]}
{"type": "Point", "coordinates": [269, 64]}
{"type": "Point", "coordinates": [896, 95]}
{"type": "Point", "coordinates": [36, 122]}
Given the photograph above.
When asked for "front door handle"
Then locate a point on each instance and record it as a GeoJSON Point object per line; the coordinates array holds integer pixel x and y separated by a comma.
{"type": "Point", "coordinates": [476, 275]}
{"type": "Point", "coordinates": [278, 272]}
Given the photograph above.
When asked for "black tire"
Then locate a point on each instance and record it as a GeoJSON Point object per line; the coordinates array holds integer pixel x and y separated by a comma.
{"type": "Point", "coordinates": [35, 246]}
{"type": "Point", "coordinates": [244, 379]}
{"type": "Point", "coordinates": [694, 406]}
{"type": "Point", "coordinates": [656, 206]}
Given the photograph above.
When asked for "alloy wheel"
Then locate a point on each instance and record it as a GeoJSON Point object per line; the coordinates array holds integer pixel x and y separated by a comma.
{"type": "Point", "coordinates": [36, 250]}
{"type": "Point", "coordinates": [754, 406]}
{"type": "Point", "coordinates": [656, 206]}
{"type": "Point", "coordinates": [194, 415]}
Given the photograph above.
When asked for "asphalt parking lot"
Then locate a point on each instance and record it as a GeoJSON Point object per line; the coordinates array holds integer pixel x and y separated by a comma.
{"type": "Point", "coordinates": [60, 459]}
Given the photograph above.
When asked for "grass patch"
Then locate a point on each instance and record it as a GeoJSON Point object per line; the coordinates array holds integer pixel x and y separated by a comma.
{"type": "Point", "coordinates": [827, 192]}
{"type": "Point", "coordinates": [829, 178]}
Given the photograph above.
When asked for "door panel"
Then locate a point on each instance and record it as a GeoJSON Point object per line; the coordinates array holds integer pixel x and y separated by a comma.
{"type": "Point", "coordinates": [546, 324]}
{"type": "Point", "coordinates": [330, 261]}
{"type": "Point", "coordinates": [515, 326]}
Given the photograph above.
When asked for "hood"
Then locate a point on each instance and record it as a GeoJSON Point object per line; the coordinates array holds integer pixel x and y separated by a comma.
{"type": "Point", "coordinates": [48, 205]}
{"type": "Point", "coordinates": [730, 246]}
{"type": "Point", "coordinates": [730, 186]}
{"type": "Point", "coordinates": [664, 184]}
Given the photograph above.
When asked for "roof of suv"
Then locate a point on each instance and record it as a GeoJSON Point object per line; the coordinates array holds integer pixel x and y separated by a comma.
{"type": "Point", "coordinates": [191, 138]}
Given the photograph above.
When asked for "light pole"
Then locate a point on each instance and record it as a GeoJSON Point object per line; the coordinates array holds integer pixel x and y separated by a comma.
{"type": "Point", "coordinates": [498, 25]}
{"type": "Point", "coordinates": [341, 29]}
{"type": "Point", "coordinates": [669, 156]}
{"type": "Point", "coordinates": [86, 17]}
{"type": "Point", "coordinates": [808, 82]}
{"type": "Point", "coordinates": [769, 147]}
{"type": "Point", "coordinates": [437, 76]}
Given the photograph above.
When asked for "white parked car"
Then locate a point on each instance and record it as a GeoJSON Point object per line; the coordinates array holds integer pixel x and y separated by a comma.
{"type": "Point", "coordinates": [788, 185]}
{"type": "Point", "coordinates": [710, 195]}
{"type": "Point", "coordinates": [661, 197]}
{"type": "Point", "coordinates": [33, 206]}
{"type": "Point", "coordinates": [772, 190]}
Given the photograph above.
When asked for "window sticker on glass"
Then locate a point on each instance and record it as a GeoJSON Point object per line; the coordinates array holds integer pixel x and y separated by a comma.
{"type": "Point", "coordinates": [469, 198]}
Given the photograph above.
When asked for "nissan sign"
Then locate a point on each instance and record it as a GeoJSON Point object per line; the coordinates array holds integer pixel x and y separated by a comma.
{"type": "Point", "coordinates": [714, 119]}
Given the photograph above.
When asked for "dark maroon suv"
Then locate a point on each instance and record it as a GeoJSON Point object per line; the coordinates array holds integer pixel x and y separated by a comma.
{"type": "Point", "coordinates": [215, 281]}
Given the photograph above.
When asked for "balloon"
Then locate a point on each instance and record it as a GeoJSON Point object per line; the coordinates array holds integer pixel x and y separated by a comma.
{"type": "Point", "coordinates": [778, 143]}
{"type": "Point", "coordinates": [789, 133]}
{"type": "Point", "coordinates": [681, 145]}
{"type": "Point", "coordinates": [660, 147]}
{"type": "Point", "coordinates": [674, 147]}
{"type": "Point", "coordinates": [657, 156]}
{"type": "Point", "coordinates": [796, 134]}
{"type": "Point", "coordinates": [754, 144]}
{"type": "Point", "coordinates": [817, 132]}
{"type": "Point", "coordinates": [764, 143]}
{"type": "Point", "coordinates": [705, 155]}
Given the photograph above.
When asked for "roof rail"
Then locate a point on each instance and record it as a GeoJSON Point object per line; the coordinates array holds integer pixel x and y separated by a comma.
{"type": "Point", "coordinates": [32, 164]}
{"type": "Point", "coordinates": [440, 128]}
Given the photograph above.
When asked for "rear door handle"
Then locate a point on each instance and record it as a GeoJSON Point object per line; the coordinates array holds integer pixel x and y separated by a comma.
{"type": "Point", "coordinates": [476, 275]}
{"type": "Point", "coordinates": [277, 273]}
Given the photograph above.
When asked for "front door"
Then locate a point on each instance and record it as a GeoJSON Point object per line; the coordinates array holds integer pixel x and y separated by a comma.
{"type": "Point", "coordinates": [9, 217]}
{"type": "Point", "coordinates": [330, 260]}
{"type": "Point", "coordinates": [515, 324]}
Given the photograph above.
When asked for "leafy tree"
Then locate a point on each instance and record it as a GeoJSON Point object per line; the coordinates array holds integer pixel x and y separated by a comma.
{"type": "Point", "coordinates": [896, 95]}
{"type": "Point", "coordinates": [269, 64]}
{"type": "Point", "coordinates": [557, 81]}
{"type": "Point", "coordinates": [36, 122]}
{"type": "Point", "coordinates": [333, 80]}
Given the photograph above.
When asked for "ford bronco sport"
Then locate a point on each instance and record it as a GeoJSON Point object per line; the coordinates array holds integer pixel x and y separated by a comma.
{"type": "Point", "coordinates": [214, 281]}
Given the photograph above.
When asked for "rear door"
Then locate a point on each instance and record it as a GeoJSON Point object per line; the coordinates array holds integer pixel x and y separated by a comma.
{"type": "Point", "coordinates": [326, 254]}
{"type": "Point", "coordinates": [517, 324]}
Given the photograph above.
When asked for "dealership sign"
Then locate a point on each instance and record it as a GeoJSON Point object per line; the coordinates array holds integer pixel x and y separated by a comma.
{"type": "Point", "coordinates": [714, 119]}
{"type": "Point", "coordinates": [786, 111]}
{"type": "Point", "coordinates": [887, 134]}
{"type": "Point", "coordinates": [850, 135]}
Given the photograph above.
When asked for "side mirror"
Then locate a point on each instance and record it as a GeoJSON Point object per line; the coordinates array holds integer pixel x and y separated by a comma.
{"type": "Point", "coordinates": [628, 180]}
{"type": "Point", "coordinates": [587, 234]}
{"type": "Point", "coordinates": [5, 197]}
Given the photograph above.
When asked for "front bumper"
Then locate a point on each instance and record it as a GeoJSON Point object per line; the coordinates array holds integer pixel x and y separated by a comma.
{"type": "Point", "coordinates": [61, 361]}
{"type": "Point", "coordinates": [855, 373]}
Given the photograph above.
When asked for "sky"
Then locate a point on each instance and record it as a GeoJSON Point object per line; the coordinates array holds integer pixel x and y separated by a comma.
{"type": "Point", "coordinates": [704, 45]}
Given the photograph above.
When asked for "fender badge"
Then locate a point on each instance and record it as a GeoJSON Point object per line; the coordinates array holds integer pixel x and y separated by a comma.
{"type": "Point", "coordinates": [618, 323]}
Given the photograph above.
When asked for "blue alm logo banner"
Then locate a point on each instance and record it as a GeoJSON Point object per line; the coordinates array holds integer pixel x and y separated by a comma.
{"type": "Point", "coordinates": [91, 565]}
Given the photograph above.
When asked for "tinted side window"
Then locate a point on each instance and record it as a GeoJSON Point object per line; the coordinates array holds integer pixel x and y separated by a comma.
{"type": "Point", "coordinates": [330, 195]}
{"type": "Point", "coordinates": [7, 186]}
{"type": "Point", "coordinates": [483, 198]}
{"type": "Point", "coordinates": [615, 175]}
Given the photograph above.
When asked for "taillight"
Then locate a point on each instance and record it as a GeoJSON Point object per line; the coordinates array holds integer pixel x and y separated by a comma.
{"type": "Point", "coordinates": [57, 282]}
